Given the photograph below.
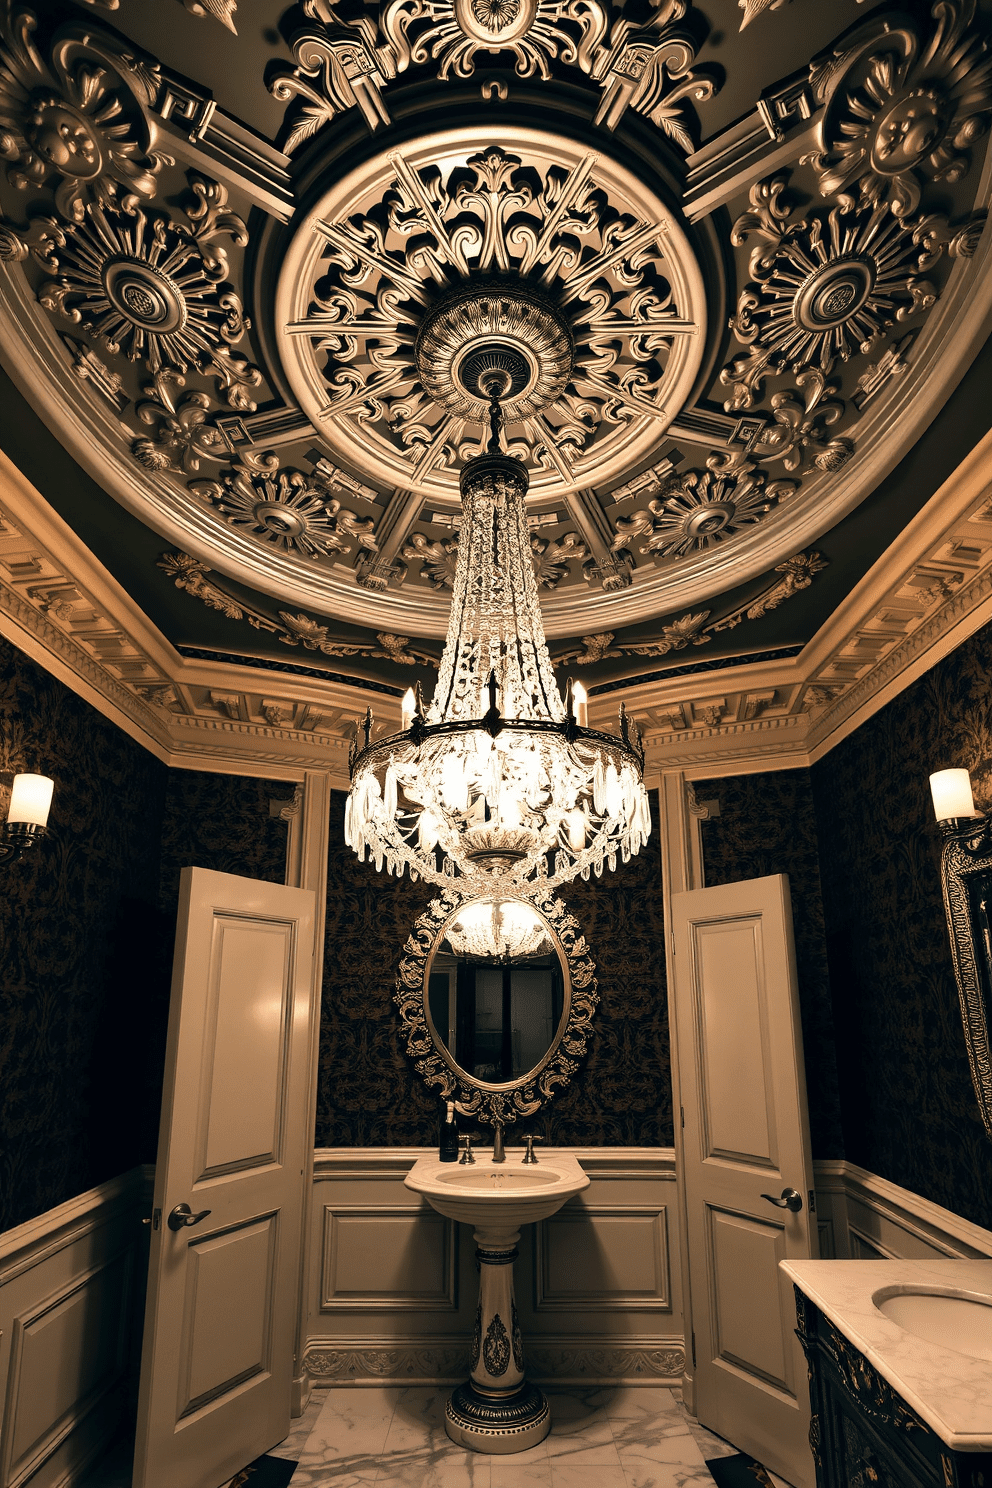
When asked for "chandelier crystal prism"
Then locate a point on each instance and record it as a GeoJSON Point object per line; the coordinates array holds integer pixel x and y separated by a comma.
{"type": "Point", "coordinates": [499, 787]}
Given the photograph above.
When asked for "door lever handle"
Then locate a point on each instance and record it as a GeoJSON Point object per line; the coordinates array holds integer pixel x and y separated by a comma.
{"type": "Point", "coordinates": [182, 1217]}
{"type": "Point", "coordinates": [790, 1200]}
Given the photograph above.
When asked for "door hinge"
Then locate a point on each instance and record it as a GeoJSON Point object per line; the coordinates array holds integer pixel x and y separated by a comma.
{"type": "Point", "coordinates": [693, 1350]}
{"type": "Point", "coordinates": [682, 1110]}
{"type": "Point", "coordinates": [812, 1202]}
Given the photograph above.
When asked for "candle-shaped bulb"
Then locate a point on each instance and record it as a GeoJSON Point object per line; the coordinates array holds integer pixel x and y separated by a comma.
{"type": "Point", "coordinates": [580, 704]}
{"type": "Point", "coordinates": [30, 800]}
{"type": "Point", "coordinates": [952, 797]}
{"type": "Point", "coordinates": [409, 708]}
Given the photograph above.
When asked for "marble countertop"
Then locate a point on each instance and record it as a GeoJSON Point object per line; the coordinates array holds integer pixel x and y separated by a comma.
{"type": "Point", "coordinates": [950, 1391]}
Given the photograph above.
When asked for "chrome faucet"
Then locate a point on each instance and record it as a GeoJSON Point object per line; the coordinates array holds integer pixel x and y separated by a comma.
{"type": "Point", "coordinates": [466, 1145]}
{"type": "Point", "coordinates": [499, 1151]}
{"type": "Point", "coordinates": [529, 1154]}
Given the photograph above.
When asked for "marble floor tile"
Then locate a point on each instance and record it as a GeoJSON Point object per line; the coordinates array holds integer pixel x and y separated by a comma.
{"type": "Point", "coordinates": [571, 1475]}
{"type": "Point", "coordinates": [581, 1432]}
{"type": "Point", "coordinates": [300, 1429]}
{"type": "Point", "coordinates": [429, 1469]}
{"type": "Point", "coordinates": [347, 1439]}
{"type": "Point", "coordinates": [509, 1472]}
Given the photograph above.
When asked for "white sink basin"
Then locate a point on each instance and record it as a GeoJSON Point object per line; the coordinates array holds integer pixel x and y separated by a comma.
{"type": "Point", "coordinates": [956, 1320]}
{"type": "Point", "coordinates": [492, 1195]}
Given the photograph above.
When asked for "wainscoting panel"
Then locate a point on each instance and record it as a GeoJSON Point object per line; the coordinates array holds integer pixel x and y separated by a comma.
{"type": "Point", "coordinates": [392, 1289]}
{"type": "Point", "coordinates": [71, 1289]}
{"type": "Point", "coordinates": [865, 1217]}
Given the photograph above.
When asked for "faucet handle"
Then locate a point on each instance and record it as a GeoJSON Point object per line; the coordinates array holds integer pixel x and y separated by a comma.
{"type": "Point", "coordinates": [465, 1142]}
{"type": "Point", "coordinates": [529, 1154]}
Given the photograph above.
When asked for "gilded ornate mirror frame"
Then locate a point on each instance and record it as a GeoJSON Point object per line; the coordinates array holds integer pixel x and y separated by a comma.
{"type": "Point", "coordinates": [504, 1103]}
{"type": "Point", "coordinates": [966, 876]}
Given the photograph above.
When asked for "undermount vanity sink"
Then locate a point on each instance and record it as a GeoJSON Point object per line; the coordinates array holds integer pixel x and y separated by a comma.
{"type": "Point", "coordinates": [498, 1196]}
{"type": "Point", "coordinates": [954, 1319]}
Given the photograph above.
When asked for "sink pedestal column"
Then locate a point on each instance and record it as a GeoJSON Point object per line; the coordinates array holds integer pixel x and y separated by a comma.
{"type": "Point", "coordinates": [497, 1410]}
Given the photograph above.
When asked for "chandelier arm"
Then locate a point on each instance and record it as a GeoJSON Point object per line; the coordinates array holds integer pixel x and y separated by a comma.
{"type": "Point", "coordinates": [566, 729]}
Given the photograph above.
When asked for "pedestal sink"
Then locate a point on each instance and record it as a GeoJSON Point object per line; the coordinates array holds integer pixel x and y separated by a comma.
{"type": "Point", "coordinates": [497, 1410]}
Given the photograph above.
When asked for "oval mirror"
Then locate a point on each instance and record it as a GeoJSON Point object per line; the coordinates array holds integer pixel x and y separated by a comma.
{"type": "Point", "coordinates": [495, 990]}
{"type": "Point", "coordinates": [496, 996]}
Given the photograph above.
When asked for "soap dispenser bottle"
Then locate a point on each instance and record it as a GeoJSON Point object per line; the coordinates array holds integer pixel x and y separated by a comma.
{"type": "Point", "coordinates": [448, 1151]}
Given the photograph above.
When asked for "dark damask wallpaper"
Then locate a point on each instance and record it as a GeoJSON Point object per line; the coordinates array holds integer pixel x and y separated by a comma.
{"type": "Point", "coordinates": [767, 825]}
{"type": "Point", "coordinates": [368, 1091]}
{"type": "Point", "coordinates": [80, 987]}
{"type": "Point", "coordinates": [87, 924]}
{"type": "Point", "coordinates": [909, 1112]}
{"type": "Point", "coordinates": [220, 822]}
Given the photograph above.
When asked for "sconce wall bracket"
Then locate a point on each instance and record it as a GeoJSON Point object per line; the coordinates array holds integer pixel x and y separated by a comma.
{"type": "Point", "coordinates": [18, 838]}
{"type": "Point", "coordinates": [966, 879]}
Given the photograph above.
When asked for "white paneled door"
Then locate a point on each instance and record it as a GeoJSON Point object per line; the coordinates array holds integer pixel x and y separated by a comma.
{"type": "Point", "coordinates": [223, 1284]}
{"type": "Point", "coordinates": [746, 1145]}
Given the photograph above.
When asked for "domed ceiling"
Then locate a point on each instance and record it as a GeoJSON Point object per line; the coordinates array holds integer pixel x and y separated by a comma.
{"type": "Point", "coordinates": [730, 252]}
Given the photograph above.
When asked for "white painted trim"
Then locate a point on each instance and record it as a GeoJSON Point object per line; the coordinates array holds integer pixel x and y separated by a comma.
{"type": "Point", "coordinates": [941, 1229]}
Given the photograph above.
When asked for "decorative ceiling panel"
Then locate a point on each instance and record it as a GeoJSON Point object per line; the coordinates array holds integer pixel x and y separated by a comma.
{"type": "Point", "coordinates": [265, 348]}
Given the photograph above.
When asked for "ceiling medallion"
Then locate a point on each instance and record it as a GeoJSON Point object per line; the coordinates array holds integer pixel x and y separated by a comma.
{"type": "Point", "coordinates": [289, 510]}
{"type": "Point", "coordinates": [907, 113]}
{"type": "Point", "coordinates": [697, 508]}
{"type": "Point", "coordinates": [554, 259]}
{"type": "Point", "coordinates": [519, 796]}
{"type": "Point", "coordinates": [483, 329]}
{"type": "Point", "coordinates": [634, 62]}
{"type": "Point", "coordinates": [75, 114]}
{"type": "Point", "coordinates": [825, 288]}
{"type": "Point", "coordinates": [152, 287]}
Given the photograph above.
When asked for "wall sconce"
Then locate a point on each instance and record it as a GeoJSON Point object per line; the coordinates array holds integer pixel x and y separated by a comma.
{"type": "Point", "coordinates": [966, 879]}
{"type": "Point", "coordinates": [27, 815]}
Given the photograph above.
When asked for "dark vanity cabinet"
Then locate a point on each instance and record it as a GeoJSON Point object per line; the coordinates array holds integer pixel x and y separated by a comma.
{"type": "Point", "coordinates": [861, 1433]}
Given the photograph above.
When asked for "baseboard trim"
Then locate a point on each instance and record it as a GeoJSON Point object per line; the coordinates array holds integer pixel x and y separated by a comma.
{"type": "Point", "coordinates": [446, 1361]}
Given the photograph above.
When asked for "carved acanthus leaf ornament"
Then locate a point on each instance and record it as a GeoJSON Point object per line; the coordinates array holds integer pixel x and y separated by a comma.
{"type": "Point", "coordinates": [190, 574]}
{"type": "Point", "coordinates": [220, 10]}
{"type": "Point", "coordinates": [797, 573]}
{"type": "Point", "coordinates": [825, 287]}
{"type": "Point", "coordinates": [903, 109]}
{"type": "Point", "coordinates": [74, 116]}
{"type": "Point", "coordinates": [346, 62]}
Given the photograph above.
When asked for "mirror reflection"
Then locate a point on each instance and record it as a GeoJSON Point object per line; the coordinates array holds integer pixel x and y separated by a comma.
{"type": "Point", "coordinates": [496, 990]}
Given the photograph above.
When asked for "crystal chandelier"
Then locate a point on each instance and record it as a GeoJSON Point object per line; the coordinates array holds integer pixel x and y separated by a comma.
{"type": "Point", "coordinates": [498, 930]}
{"type": "Point", "coordinates": [499, 785]}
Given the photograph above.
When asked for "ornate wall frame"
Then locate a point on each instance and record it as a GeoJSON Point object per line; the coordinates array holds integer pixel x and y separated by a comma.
{"type": "Point", "coordinates": [966, 878]}
{"type": "Point", "coordinates": [504, 1103]}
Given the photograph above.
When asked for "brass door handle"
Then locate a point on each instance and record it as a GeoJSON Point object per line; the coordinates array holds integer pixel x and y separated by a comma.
{"type": "Point", "coordinates": [182, 1217]}
{"type": "Point", "coordinates": [790, 1200]}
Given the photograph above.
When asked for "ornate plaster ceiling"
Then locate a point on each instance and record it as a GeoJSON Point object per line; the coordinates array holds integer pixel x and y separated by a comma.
{"type": "Point", "coordinates": [737, 250]}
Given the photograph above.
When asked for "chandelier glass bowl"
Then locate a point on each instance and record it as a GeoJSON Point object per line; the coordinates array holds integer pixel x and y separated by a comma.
{"type": "Point", "coordinates": [498, 930]}
{"type": "Point", "coordinates": [499, 784]}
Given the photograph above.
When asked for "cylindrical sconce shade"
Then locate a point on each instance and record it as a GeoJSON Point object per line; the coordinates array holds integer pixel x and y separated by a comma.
{"type": "Point", "coordinates": [951, 791]}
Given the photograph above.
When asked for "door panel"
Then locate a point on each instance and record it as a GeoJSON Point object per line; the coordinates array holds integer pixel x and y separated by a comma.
{"type": "Point", "coordinates": [748, 1333]}
{"type": "Point", "coordinates": [739, 1118]}
{"type": "Point", "coordinates": [221, 1316]}
{"type": "Point", "coordinates": [229, 1298]}
{"type": "Point", "coordinates": [745, 1134]}
{"type": "Point", "coordinates": [250, 1005]}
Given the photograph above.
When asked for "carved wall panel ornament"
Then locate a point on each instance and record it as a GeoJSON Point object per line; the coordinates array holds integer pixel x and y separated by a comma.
{"type": "Point", "coordinates": [346, 61]}
{"type": "Point", "coordinates": [582, 272]}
